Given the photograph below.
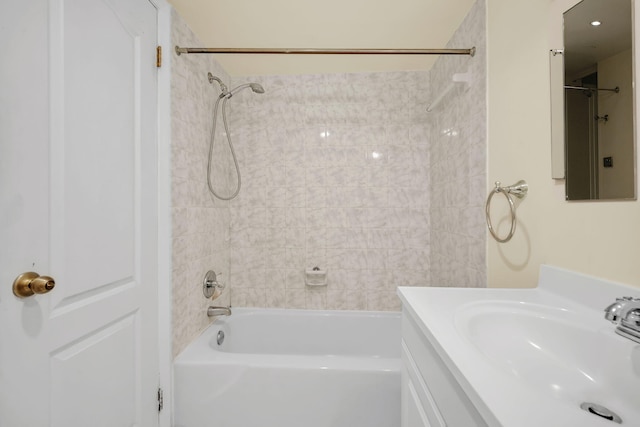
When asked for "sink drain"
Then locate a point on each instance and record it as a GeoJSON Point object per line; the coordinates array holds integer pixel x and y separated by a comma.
{"type": "Point", "coordinates": [601, 411]}
{"type": "Point", "coordinates": [220, 338]}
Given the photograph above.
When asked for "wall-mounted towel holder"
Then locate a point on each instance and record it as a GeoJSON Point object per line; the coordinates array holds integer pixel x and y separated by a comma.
{"type": "Point", "coordinates": [519, 189]}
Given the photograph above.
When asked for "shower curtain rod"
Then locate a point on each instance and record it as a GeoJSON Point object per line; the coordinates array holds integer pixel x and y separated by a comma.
{"type": "Point", "coordinates": [591, 89]}
{"type": "Point", "coordinates": [471, 52]}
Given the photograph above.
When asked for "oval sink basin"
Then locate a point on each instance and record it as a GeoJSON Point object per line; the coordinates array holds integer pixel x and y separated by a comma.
{"type": "Point", "coordinates": [569, 355]}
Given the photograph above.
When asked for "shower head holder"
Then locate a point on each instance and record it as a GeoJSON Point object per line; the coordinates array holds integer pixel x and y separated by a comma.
{"type": "Point", "coordinates": [223, 87]}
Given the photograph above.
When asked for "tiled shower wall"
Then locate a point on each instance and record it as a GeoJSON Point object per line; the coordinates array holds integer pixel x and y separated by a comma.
{"type": "Point", "coordinates": [458, 171]}
{"type": "Point", "coordinates": [335, 175]}
{"type": "Point", "coordinates": [200, 222]}
{"type": "Point", "coordinates": [346, 172]}
{"type": "Point", "coordinates": [351, 174]}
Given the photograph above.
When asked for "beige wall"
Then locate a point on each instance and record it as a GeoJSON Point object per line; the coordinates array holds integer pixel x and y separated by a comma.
{"type": "Point", "coordinates": [597, 238]}
{"type": "Point", "coordinates": [614, 135]}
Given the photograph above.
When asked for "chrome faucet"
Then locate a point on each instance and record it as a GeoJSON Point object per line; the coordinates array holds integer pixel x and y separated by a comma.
{"type": "Point", "coordinates": [218, 311]}
{"type": "Point", "coordinates": [625, 313]}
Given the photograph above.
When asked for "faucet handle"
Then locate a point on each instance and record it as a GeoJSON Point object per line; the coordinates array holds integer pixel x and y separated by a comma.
{"type": "Point", "coordinates": [632, 319]}
{"type": "Point", "coordinates": [219, 283]}
{"type": "Point", "coordinates": [612, 312]}
{"type": "Point", "coordinates": [210, 284]}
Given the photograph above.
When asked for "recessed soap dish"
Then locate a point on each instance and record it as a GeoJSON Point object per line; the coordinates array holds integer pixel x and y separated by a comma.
{"type": "Point", "coordinates": [315, 277]}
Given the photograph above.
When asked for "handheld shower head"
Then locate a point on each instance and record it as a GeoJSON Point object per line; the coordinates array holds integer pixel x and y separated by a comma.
{"type": "Point", "coordinates": [254, 87]}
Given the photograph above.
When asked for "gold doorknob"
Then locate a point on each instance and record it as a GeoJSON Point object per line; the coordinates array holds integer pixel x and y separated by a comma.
{"type": "Point", "coordinates": [31, 283]}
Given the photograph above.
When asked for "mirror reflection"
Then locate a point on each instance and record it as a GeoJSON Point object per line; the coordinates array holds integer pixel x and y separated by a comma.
{"type": "Point", "coordinates": [598, 98]}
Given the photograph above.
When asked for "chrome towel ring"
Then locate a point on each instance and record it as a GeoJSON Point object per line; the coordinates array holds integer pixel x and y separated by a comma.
{"type": "Point", "coordinates": [519, 189]}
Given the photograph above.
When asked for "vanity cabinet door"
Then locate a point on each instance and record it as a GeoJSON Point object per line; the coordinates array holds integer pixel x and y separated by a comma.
{"type": "Point", "coordinates": [413, 413]}
{"type": "Point", "coordinates": [441, 398]}
{"type": "Point", "coordinates": [418, 407]}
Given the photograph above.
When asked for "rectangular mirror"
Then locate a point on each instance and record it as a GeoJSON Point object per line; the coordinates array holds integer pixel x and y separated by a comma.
{"type": "Point", "coordinates": [593, 102]}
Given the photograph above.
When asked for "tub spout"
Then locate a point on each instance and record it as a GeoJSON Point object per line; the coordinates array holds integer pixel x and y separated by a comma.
{"type": "Point", "coordinates": [218, 311]}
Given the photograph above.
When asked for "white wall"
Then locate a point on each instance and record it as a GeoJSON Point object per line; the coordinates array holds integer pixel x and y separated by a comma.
{"type": "Point", "coordinates": [597, 238]}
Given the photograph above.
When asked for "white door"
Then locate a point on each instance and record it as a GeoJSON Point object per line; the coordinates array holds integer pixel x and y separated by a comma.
{"type": "Point", "coordinates": [78, 202]}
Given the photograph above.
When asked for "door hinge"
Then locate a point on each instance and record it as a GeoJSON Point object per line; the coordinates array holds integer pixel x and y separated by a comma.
{"type": "Point", "coordinates": [160, 399]}
{"type": "Point", "coordinates": [159, 56]}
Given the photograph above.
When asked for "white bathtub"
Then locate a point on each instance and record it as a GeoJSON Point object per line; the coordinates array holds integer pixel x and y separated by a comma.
{"type": "Point", "coordinates": [292, 368]}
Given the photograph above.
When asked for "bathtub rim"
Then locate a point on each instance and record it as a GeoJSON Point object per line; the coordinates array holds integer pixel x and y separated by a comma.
{"type": "Point", "coordinates": [199, 351]}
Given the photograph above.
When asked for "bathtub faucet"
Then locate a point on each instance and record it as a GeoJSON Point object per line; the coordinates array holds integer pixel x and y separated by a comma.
{"type": "Point", "coordinates": [218, 311]}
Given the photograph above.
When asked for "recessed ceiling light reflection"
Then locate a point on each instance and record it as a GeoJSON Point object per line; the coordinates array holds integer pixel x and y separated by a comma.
{"type": "Point", "coordinates": [376, 155]}
{"type": "Point", "coordinates": [596, 23]}
{"type": "Point", "coordinates": [325, 134]}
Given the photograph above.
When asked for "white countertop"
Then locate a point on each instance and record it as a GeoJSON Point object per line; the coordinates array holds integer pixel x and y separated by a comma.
{"type": "Point", "coordinates": [508, 398]}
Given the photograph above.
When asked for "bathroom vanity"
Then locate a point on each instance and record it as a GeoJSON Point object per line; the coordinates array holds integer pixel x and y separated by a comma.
{"type": "Point", "coordinates": [431, 394]}
{"type": "Point", "coordinates": [518, 357]}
